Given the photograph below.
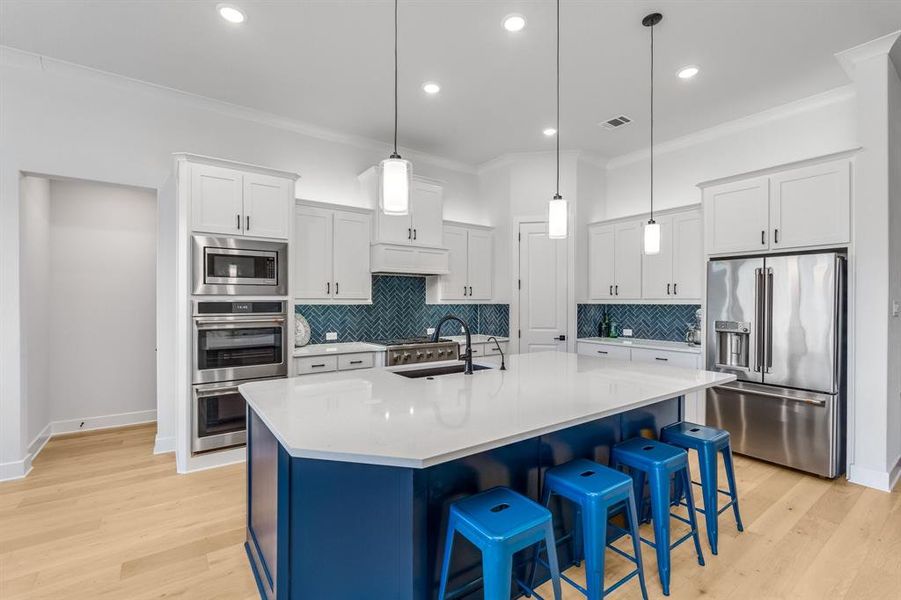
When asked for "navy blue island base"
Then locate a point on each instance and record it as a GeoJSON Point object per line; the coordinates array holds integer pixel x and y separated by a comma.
{"type": "Point", "coordinates": [319, 529]}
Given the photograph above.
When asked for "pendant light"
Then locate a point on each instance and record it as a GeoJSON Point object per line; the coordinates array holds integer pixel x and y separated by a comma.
{"type": "Point", "coordinates": [557, 213]}
{"type": "Point", "coordinates": [652, 229]}
{"type": "Point", "coordinates": [395, 172]}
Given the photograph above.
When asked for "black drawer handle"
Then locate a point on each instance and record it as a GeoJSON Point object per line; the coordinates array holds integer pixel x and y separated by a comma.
{"type": "Point", "coordinates": [356, 362]}
{"type": "Point", "coordinates": [603, 352]}
{"type": "Point", "coordinates": [318, 366]}
{"type": "Point", "coordinates": [658, 358]}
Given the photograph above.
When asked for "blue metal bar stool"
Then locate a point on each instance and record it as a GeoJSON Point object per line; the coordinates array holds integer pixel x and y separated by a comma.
{"type": "Point", "coordinates": [659, 463]}
{"type": "Point", "coordinates": [596, 490]}
{"type": "Point", "coordinates": [500, 523]}
{"type": "Point", "coordinates": [708, 441]}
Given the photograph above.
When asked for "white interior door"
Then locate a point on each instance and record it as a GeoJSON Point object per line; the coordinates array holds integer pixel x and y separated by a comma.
{"type": "Point", "coordinates": [542, 295]}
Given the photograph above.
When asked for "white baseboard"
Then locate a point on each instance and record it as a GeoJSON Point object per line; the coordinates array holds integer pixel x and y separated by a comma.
{"type": "Point", "coordinates": [212, 460]}
{"type": "Point", "coordinates": [103, 422]}
{"type": "Point", "coordinates": [19, 469]}
{"type": "Point", "coordinates": [883, 481]}
{"type": "Point", "coordinates": [164, 445]}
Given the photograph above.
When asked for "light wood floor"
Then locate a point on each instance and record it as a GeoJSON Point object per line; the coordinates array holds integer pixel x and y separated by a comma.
{"type": "Point", "coordinates": [101, 517]}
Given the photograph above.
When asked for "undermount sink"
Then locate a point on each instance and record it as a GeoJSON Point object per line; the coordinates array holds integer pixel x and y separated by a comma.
{"type": "Point", "coordinates": [434, 371]}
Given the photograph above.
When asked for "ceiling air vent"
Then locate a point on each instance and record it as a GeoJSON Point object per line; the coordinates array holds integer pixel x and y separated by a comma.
{"type": "Point", "coordinates": [616, 122]}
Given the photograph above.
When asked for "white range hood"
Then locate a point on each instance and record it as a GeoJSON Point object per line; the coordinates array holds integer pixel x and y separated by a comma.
{"type": "Point", "coordinates": [403, 259]}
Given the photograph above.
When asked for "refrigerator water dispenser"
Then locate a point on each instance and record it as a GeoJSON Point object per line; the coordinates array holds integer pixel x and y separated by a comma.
{"type": "Point", "coordinates": [732, 344]}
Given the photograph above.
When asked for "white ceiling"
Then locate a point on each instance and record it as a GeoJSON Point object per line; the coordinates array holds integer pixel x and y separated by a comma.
{"type": "Point", "coordinates": [329, 62]}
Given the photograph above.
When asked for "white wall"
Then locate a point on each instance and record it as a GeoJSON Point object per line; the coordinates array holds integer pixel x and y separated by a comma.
{"type": "Point", "coordinates": [68, 121]}
{"type": "Point", "coordinates": [804, 129]}
{"type": "Point", "coordinates": [102, 300]}
{"type": "Point", "coordinates": [894, 325]}
{"type": "Point", "coordinates": [36, 306]}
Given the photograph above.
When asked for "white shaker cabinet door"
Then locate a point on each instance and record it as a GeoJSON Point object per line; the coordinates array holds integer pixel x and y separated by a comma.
{"type": "Point", "coordinates": [267, 206]}
{"type": "Point", "coordinates": [427, 210]}
{"type": "Point", "coordinates": [455, 285]}
{"type": "Point", "coordinates": [627, 260]}
{"type": "Point", "coordinates": [216, 200]}
{"type": "Point", "coordinates": [737, 216]}
{"type": "Point", "coordinates": [352, 279]}
{"type": "Point", "coordinates": [313, 253]}
{"type": "Point", "coordinates": [688, 256]}
{"type": "Point", "coordinates": [811, 206]}
{"type": "Point", "coordinates": [601, 245]}
{"type": "Point", "coordinates": [480, 264]}
{"type": "Point", "coordinates": [657, 269]}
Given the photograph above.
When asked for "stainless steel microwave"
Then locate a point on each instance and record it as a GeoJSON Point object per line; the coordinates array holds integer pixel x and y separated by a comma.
{"type": "Point", "coordinates": [234, 266]}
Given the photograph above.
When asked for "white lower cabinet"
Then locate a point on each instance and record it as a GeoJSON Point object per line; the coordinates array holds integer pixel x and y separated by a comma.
{"type": "Point", "coordinates": [310, 365]}
{"type": "Point", "coordinates": [695, 404]}
{"type": "Point", "coordinates": [315, 364]}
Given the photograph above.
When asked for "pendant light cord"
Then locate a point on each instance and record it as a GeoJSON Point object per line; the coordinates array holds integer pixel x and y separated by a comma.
{"type": "Point", "coordinates": [652, 124]}
{"type": "Point", "coordinates": [558, 100]}
{"type": "Point", "coordinates": [395, 155]}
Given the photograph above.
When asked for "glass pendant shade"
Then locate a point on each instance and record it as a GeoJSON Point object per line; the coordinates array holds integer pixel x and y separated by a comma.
{"type": "Point", "coordinates": [652, 238]}
{"type": "Point", "coordinates": [557, 218]}
{"type": "Point", "coordinates": [394, 186]}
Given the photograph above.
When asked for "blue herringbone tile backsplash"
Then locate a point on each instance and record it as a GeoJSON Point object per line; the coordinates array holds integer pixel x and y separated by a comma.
{"type": "Point", "coordinates": [647, 321]}
{"type": "Point", "coordinates": [399, 310]}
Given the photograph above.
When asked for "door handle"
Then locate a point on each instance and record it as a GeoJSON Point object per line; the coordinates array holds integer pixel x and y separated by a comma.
{"type": "Point", "coordinates": [768, 307]}
{"type": "Point", "coordinates": [561, 338]}
{"type": "Point", "coordinates": [247, 218]}
{"type": "Point", "coordinates": [759, 317]}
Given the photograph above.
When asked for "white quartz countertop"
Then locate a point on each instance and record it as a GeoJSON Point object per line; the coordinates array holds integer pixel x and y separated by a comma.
{"type": "Point", "coordinates": [477, 338]}
{"type": "Point", "coordinates": [337, 348]}
{"type": "Point", "coordinates": [640, 343]}
{"type": "Point", "coordinates": [374, 416]}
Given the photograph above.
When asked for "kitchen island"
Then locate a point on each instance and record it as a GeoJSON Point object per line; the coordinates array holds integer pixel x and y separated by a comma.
{"type": "Point", "coordinates": [350, 475]}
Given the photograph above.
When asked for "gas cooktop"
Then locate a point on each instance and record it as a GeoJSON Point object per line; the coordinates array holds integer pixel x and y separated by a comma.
{"type": "Point", "coordinates": [419, 350]}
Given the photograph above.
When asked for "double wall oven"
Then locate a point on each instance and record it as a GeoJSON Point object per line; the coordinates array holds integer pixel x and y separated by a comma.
{"type": "Point", "coordinates": [234, 341]}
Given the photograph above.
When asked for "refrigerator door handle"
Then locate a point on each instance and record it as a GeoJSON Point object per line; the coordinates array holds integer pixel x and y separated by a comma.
{"type": "Point", "coordinates": [768, 332]}
{"type": "Point", "coordinates": [759, 318]}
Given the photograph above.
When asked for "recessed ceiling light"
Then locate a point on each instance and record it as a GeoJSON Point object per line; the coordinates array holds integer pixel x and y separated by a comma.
{"type": "Point", "coordinates": [549, 131]}
{"type": "Point", "coordinates": [514, 22]}
{"type": "Point", "coordinates": [231, 13]}
{"type": "Point", "coordinates": [431, 88]}
{"type": "Point", "coordinates": [687, 72]}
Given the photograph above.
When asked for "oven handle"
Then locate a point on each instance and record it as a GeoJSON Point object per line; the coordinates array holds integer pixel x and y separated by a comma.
{"type": "Point", "coordinates": [215, 391]}
{"type": "Point", "coordinates": [235, 322]}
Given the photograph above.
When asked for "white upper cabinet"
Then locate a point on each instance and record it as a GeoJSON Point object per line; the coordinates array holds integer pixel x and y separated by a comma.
{"type": "Point", "coordinates": [601, 243]}
{"type": "Point", "coordinates": [811, 206]}
{"type": "Point", "coordinates": [331, 255]}
{"type": "Point", "coordinates": [688, 255]}
{"type": "Point", "coordinates": [798, 207]}
{"type": "Point", "coordinates": [267, 206]}
{"type": "Point", "coordinates": [471, 262]}
{"type": "Point", "coordinates": [426, 214]}
{"type": "Point", "coordinates": [619, 270]}
{"type": "Point", "coordinates": [737, 216]}
{"type": "Point", "coordinates": [217, 204]}
{"type": "Point", "coordinates": [233, 202]}
{"type": "Point", "coordinates": [627, 260]}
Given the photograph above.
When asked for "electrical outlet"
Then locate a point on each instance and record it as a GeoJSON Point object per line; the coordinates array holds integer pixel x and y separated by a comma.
{"type": "Point", "coordinates": [331, 336]}
{"type": "Point", "coordinates": [896, 308]}
{"type": "Point", "coordinates": [627, 333]}
{"type": "Point", "coordinates": [430, 331]}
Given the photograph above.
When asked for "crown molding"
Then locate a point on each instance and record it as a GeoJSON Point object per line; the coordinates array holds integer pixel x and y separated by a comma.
{"type": "Point", "coordinates": [833, 96]}
{"type": "Point", "coordinates": [849, 58]}
{"type": "Point", "coordinates": [22, 59]}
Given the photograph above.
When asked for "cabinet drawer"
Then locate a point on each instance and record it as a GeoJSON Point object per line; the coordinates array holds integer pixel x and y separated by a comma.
{"type": "Point", "coordinates": [477, 349]}
{"type": "Point", "coordinates": [491, 348]}
{"type": "Point", "coordinates": [605, 351]}
{"type": "Point", "coordinates": [362, 360]}
{"type": "Point", "coordinates": [675, 359]}
{"type": "Point", "coordinates": [316, 364]}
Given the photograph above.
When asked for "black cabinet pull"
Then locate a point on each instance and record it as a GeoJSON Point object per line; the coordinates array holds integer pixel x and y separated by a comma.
{"type": "Point", "coordinates": [617, 289]}
{"type": "Point", "coordinates": [675, 289]}
{"type": "Point", "coordinates": [561, 338]}
{"type": "Point", "coordinates": [603, 352]}
{"type": "Point", "coordinates": [611, 290]}
{"type": "Point", "coordinates": [776, 236]}
{"type": "Point", "coordinates": [328, 287]}
{"type": "Point", "coordinates": [762, 237]}
{"type": "Point", "coordinates": [414, 233]}
{"type": "Point", "coordinates": [248, 223]}
{"type": "Point", "coordinates": [238, 222]}
{"type": "Point", "coordinates": [409, 233]}
{"type": "Point", "coordinates": [667, 289]}
{"type": "Point", "coordinates": [318, 366]}
{"type": "Point", "coordinates": [470, 291]}
{"type": "Point", "coordinates": [356, 362]}
{"type": "Point", "coordinates": [659, 358]}
{"type": "Point", "coordinates": [336, 288]}
{"type": "Point", "coordinates": [464, 290]}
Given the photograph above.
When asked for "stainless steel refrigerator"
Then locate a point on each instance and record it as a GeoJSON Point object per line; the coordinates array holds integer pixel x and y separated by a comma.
{"type": "Point", "coordinates": [778, 324]}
